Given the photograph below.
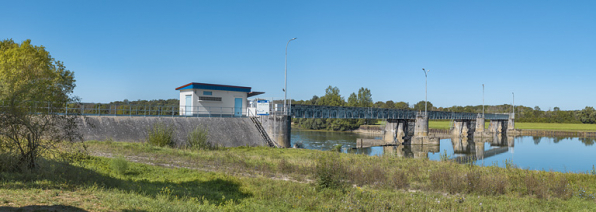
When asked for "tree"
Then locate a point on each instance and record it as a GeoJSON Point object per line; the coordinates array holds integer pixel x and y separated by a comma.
{"type": "Point", "coordinates": [380, 104]}
{"type": "Point", "coordinates": [314, 99]}
{"type": "Point", "coordinates": [364, 98]}
{"type": "Point", "coordinates": [588, 115]}
{"type": "Point", "coordinates": [402, 106]}
{"type": "Point", "coordinates": [420, 106]}
{"type": "Point", "coordinates": [34, 90]}
{"type": "Point", "coordinates": [331, 97]}
{"type": "Point", "coordinates": [352, 100]}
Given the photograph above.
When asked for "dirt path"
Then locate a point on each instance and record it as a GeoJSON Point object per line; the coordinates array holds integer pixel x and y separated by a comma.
{"type": "Point", "coordinates": [207, 168]}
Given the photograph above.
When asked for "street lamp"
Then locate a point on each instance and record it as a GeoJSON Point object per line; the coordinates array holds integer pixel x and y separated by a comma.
{"type": "Point", "coordinates": [482, 100]}
{"type": "Point", "coordinates": [425, 90]}
{"type": "Point", "coordinates": [513, 110]}
{"type": "Point", "coordinates": [286, 79]}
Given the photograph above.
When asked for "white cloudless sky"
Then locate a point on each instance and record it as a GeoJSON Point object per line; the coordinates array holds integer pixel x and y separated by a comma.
{"type": "Point", "coordinates": [544, 51]}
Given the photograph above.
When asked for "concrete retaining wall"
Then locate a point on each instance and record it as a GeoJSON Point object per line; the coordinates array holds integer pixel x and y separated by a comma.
{"type": "Point", "coordinates": [278, 127]}
{"type": "Point", "coordinates": [228, 132]}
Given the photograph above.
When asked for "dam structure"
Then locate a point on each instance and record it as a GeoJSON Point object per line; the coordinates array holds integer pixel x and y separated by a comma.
{"type": "Point", "coordinates": [130, 123]}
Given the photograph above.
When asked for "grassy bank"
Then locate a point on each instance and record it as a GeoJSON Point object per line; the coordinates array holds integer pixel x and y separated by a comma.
{"type": "Point", "coordinates": [529, 126]}
{"type": "Point", "coordinates": [129, 177]}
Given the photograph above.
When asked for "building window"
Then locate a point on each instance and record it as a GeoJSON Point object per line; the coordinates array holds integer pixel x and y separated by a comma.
{"type": "Point", "coordinates": [207, 93]}
{"type": "Point", "coordinates": [209, 98]}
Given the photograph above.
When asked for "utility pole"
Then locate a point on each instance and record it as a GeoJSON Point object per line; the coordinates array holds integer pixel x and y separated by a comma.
{"type": "Point", "coordinates": [425, 91]}
{"type": "Point", "coordinates": [286, 78]}
{"type": "Point", "coordinates": [513, 110]}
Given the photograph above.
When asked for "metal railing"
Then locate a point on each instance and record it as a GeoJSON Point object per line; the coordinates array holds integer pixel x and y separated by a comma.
{"type": "Point", "coordinates": [99, 109]}
{"type": "Point", "coordinates": [296, 111]}
{"type": "Point", "coordinates": [316, 111]}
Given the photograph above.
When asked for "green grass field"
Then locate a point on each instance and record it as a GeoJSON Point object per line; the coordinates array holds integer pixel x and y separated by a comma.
{"type": "Point", "coordinates": [528, 126]}
{"type": "Point", "coordinates": [267, 179]}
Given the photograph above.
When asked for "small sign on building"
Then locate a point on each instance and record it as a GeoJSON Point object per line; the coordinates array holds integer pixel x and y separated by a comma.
{"type": "Point", "coordinates": [263, 107]}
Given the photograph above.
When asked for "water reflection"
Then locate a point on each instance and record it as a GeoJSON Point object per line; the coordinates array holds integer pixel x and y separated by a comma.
{"type": "Point", "coordinates": [324, 140]}
{"type": "Point", "coordinates": [532, 152]}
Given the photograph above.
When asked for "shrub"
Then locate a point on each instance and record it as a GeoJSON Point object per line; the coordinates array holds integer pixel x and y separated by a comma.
{"type": "Point", "coordinates": [447, 180]}
{"type": "Point", "coordinates": [119, 165]}
{"type": "Point", "coordinates": [561, 189]}
{"type": "Point", "coordinates": [330, 172]}
{"type": "Point", "coordinates": [337, 148]}
{"type": "Point", "coordinates": [444, 156]}
{"type": "Point", "coordinates": [398, 180]}
{"type": "Point", "coordinates": [535, 185]}
{"type": "Point", "coordinates": [197, 139]}
{"type": "Point", "coordinates": [285, 167]}
{"type": "Point", "coordinates": [160, 135]}
{"type": "Point", "coordinates": [8, 162]}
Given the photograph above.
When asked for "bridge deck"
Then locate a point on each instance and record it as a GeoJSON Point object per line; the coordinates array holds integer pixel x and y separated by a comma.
{"type": "Point", "coordinates": [317, 111]}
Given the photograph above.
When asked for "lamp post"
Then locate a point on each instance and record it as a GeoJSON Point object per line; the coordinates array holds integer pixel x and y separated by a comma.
{"type": "Point", "coordinates": [425, 91]}
{"type": "Point", "coordinates": [286, 78]}
{"type": "Point", "coordinates": [482, 100]}
{"type": "Point", "coordinates": [513, 110]}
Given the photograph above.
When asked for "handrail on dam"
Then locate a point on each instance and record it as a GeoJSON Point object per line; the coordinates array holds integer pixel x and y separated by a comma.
{"type": "Point", "coordinates": [98, 109]}
{"type": "Point", "coordinates": [317, 111]}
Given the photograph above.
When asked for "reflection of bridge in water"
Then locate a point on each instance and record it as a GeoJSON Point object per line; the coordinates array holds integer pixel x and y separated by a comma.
{"type": "Point", "coordinates": [464, 150]}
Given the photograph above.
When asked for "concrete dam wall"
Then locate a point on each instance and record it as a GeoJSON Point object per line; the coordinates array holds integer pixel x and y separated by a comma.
{"type": "Point", "coordinates": [228, 132]}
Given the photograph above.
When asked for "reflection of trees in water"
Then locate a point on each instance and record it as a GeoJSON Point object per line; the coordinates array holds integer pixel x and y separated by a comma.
{"type": "Point", "coordinates": [588, 141]}
{"type": "Point", "coordinates": [558, 139]}
{"type": "Point", "coordinates": [536, 139]}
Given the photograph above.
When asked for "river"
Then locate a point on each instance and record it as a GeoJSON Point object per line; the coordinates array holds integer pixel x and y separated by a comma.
{"type": "Point", "coordinates": [570, 154]}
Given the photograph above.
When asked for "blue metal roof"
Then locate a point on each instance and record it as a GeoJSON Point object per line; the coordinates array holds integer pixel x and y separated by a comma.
{"type": "Point", "coordinates": [206, 86]}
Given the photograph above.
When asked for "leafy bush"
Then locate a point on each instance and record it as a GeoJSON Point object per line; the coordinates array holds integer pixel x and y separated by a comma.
{"type": "Point", "coordinates": [330, 172]}
{"type": "Point", "coordinates": [8, 162]}
{"type": "Point", "coordinates": [449, 180]}
{"type": "Point", "coordinates": [119, 165]}
{"type": "Point", "coordinates": [399, 179]}
{"type": "Point", "coordinates": [337, 148]}
{"type": "Point", "coordinates": [161, 135]}
{"type": "Point", "coordinates": [197, 139]}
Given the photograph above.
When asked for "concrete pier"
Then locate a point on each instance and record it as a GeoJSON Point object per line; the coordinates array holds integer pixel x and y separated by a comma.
{"type": "Point", "coordinates": [421, 133]}
{"type": "Point", "coordinates": [402, 130]}
{"type": "Point", "coordinates": [495, 126]}
{"type": "Point", "coordinates": [511, 124]}
{"type": "Point", "coordinates": [479, 130]}
{"type": "Point", "coordinates": [278, 127]}
{"type": "Point", "coordinates": [390, 132]}
{"type": "Point", "coordinates": [421, 126]}
{"type": "Point", "coordinates": [364, 143]}
{"type": "Point", "coordinates": [395, 131]}
{"type": "Point", "coordinates": [460, 128]}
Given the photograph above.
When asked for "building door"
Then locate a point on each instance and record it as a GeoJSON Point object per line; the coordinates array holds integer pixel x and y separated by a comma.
{"type": "Point", "coordinates": [188, 109]}
{"type": "Point", "coordinates": [238, 107]}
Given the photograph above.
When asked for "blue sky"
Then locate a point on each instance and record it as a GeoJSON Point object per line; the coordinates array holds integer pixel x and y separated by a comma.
{"type": "Point", "coordinates": [544, 51]}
